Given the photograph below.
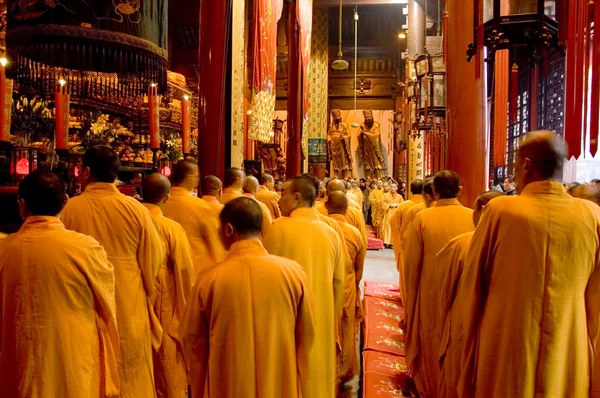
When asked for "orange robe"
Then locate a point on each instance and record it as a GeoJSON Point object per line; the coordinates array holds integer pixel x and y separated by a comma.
{"type": "Point", "coordinates": [213, 203]}
{"type": "Point", "coordinates": [317, 248]}
{"type": "Point", "coordinates": [58, 334]}
{"type": "Point", "coordinates": [451, 322]}
{"type": "Point", "coordinates": [175, 282]}
{"type": "Point", "coordinates": [201, 225]}
{"type": "Point", "coordinates": [266, 215]}
{"type": "Point", "coordinates": [376, 212]}
{"type": "Point", "coordinates": [348, 366]}
{"type": "Point", "coordinates": [396, 225]}
{"type": "Point", "coordinates": [430, 231]}
{"type": "Point", "coordinates": [134, 247]}
{"type": "Point", "coordinates": [532, 276]}
{"type": "Point", "coordinates": [354, 217]}
{"type": "Point", "coordinates": [249, 327]}
{"type": "Point", "coordinates": [361, 197]}
{"type": "Point", "coordinates": [230, 193]}
{"type": "Point", "coordinates": [386, 203]}
{"type": "Point", "coordinates": [271, 199]}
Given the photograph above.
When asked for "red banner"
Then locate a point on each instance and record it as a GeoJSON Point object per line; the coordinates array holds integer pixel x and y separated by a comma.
{"type": "Point", "coordinates": [6, 88]}
{"type": "Point", "coordinates": [305, 22]}
{"type": "Point", "coordinates": [153, 115]}
{"type": "Point", "coordinates": [186, 126]}
{"type": "Point", "coordinates": [501, 66]}
{"type": "Point", "coordinates": [62, 100]}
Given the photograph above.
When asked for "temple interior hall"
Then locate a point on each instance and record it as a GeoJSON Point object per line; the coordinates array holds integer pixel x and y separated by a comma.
{"type": "Point", "coordinates": [299, 198]}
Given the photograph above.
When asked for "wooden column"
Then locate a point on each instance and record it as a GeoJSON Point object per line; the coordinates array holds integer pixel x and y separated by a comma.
{"type": "Point", "coordinates": [466, 104]}
{"type": "Point", "coordinates": [215, 24]}
{"type": "Point", "coordinates": [294, 99]}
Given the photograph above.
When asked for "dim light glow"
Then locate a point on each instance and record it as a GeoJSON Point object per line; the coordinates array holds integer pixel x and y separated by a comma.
{"type": "Point", "coordinates": [152, 84]}
{"type": "Point", "coordinates": [186, 97]}
{"type": "Point", "coordinates": [402, 36]}
{"type": "Point", "coordinates": [76, 171]}
{"type": "Point", "coordinates": [166, 171]}
{"type": "Point", "coordinates": [3, 61]}
{"type": "Point", "coordinates": [62, 82]}
{"type": "Point", "coordinates": [249, 112]}
{"type": "Point", "coordinates": [23, 167]}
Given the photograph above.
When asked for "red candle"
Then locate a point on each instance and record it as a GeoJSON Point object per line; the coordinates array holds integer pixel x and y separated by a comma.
{"type": "Point", "coordinates": [6, 88]}
{"type": "Point", "coordinates": [153, 106]}
{"type": "Point", "coordinates": [186, 125]}
{"type": "Point", "coordinates": [62, 115]}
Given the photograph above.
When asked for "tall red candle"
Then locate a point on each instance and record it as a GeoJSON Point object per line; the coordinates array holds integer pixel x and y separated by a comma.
{"type": "Point", "coordinates": [153, 107]}
{"type": "Point", "coordinates": [62, 115]}
{"type": "Point", "coordinates": [6, 88]}
{"type": "Point", "coordinates": [186, 125]}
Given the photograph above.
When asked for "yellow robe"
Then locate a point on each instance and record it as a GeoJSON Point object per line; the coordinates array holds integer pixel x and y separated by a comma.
{"type": "Point", "coordinates": [452, 338]}
{"type": "Point", "coordinates": [348, 366]}
{"type": "Point", "coordinates": [533, 296]}
{"type": "Point", "coordinates": [201, 225]}
{"type": "Point", "coordinates": [230, 194]}
{"type": "Point", "coordinates": [266, 215]}
{"type": "Point", "coordinates": [376, 213]}
{"type": "Point", "coordinates": [249, 327]}
{"type": "Point", "coordinates": [134, 247]}
{"type": "Point", "coordinates": [396, 224]}
{"type": "Point", "coordinates": [430, 231]}
{"type": "Point", "coordinates": [175, 282]}
{"type": "Point", "coordinates": [354, 217]}
{"type": "Point", "coordinates": [316, 247]}
{"type": "Point", "coordinates": [213, 203]}
{"type": "Point", "coordinates": [58, 329]}
{"type": "Point", "coordinates": [387, 201]}
{"type": "Point", "coordinates": [361, 197]}
{"type": "Point", "coordinates": [271, 199]}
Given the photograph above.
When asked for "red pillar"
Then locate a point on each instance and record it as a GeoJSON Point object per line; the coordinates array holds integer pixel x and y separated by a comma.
{"type": "Point", "coordinates": [294, 101]}
{"type": "Point", "coordinates": [466, 104]}
{"type": "Point", "coordinates": [215, 18]}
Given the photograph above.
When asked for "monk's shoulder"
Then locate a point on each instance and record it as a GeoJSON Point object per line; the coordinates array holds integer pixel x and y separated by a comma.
{"type": "Point", "coordinates": [460, 243]}
{"type": "Point", "coordinates": [591, 209]}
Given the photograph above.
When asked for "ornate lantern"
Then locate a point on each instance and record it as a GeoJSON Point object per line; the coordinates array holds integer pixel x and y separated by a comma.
{"type": "Point", "coordinates": [22, 162]}
{"type": "Point", "coordinates": [165, 167]}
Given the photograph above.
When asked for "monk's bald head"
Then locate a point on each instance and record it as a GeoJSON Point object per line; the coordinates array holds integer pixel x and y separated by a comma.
{"type": "Point", "coordinates": [250, 185]}
{"type": "Point", "coordinates": [540, 158]}
{"type": "Point", "coordinates": [587, 192]}
{"type": "Point", "coordinates": [234, 178]}
{"type": "Point", "coordinates": [337, 203]}
{"type": "Point", "coordinates": [184, 170]}
{"type": "Point", "coordinates": [446, 185]}
{"type": "Point", "coordinates": [155, 188]}
{"type": "Point", "coordinates": [241, 219]}
{"type": "Point", "coordinates": [335, 185]}
{"type": "Point", "coordinates": [298, 192]}
{"type": "Point", "coordinates": [211, 185]}
{"type": "Point", "coordinates": [481, 201]}
{"type": "Point", "coordinates": [428, 191]}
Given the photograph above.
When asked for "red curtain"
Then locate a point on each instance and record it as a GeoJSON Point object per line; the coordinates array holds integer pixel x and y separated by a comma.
{"type": "Point", "coordinates": [501, 66]}
{"type": "Point", "coordinates": [595, 93]}
{"type": "Point", "coordinates": [305, 23]}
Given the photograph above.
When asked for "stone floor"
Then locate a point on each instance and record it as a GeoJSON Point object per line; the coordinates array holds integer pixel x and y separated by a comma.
{"type": "Point", "coordinates": [379, 266]}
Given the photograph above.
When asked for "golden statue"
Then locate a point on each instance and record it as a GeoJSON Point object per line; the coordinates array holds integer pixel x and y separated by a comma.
{"type": "Point", "coordinates": [338, 146]}
{"type": "Point", "coordinates": [370, 147]}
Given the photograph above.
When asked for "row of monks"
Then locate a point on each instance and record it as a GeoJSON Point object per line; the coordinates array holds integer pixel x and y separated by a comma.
{"type": "Point", "coordinates": [243, 292]}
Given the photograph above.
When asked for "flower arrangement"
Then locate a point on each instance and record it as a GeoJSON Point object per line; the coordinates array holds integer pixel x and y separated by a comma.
{"type": "Point", "coordinates": [31, 121]}
{"type": "Point", "coordinates": [171, 145]}
{"type": "Point", "coordinates": [97, 129]}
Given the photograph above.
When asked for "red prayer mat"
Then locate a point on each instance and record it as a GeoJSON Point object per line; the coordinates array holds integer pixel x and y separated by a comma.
{"type": "Point", "coordinates": [374, 244]}
{"type": "Point", "coordinates": [382, 326]}
{"type": "Point", "coordinates": [385, 376]}
{"type": "Point", "coordinates": [387, 291]}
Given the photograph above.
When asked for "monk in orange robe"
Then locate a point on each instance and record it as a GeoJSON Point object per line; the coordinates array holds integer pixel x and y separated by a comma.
{"type": "Point", "coordinates": [249, 328]}
{"type": "Point", "coordinates": [301, 236]}
{"type": "Point", "coordinates": [234, 179]}
{"type": "Point", "coordinates": [212, 189]}
{"type": "Point", "coordinates": [389, 205]}
{"type": "Point", "coordinates": [124, 227]}
{"type": "Point", "coordinates": [250, 189]}
{"type": "Point", "coordinates": [175, 282]}
{"type": "Point", "coordinates": [50, 345]}
{"type": "Point", "coordinates": [532, 280]}
{"type": "Point", "coordinates": [450, 324]}
{"type": "Point", "coordinates": [199, 220]}
{"type": "Point", "coordinates": [348, 365]}
{"type": "Point", "coordinates": [267, 195]}
{"type": "Point", "coordinates": [416, 189]}
{"type": "Point", "coordinates": [430, 231]}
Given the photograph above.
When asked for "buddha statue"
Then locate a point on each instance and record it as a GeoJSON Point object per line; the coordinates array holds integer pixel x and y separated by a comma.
{"type": "Point", "coordinates": [370, 148]}
{"type": "Point", "coordinates": [338, 146]}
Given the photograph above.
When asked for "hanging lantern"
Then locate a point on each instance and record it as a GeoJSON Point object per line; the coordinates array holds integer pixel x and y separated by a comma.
{"type": "Point", "coordinates": [165, 167]}
{"type": "Point", "coordinates": [22, 162]}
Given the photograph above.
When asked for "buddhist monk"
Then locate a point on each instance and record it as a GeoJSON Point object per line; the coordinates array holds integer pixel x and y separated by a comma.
{"type": "Point", "coordinates": [351, 194]}
{"type": "Point", "coordinates": [358, 193]}
{"type": "Point", "coordinates": [50, 345]}
{"type": "Point", "coordinates": [212, 189]}
{"type": "Point", "coordinates": [348, 366]}
{"type": "Point", "coordinates": [416, 189]}
{"type": "Point", "coordinates": [301, 236]}
{"type": "Point", "coordinates": [450, 324]}
{"type": "Point", "coordinates": [124, 227]}
{"type": "Point", "coordinates": [354, 214]}
{"type": "Point", "coordinates": [249, 327]}
{"type": "Point", "coordinates": [198, 219]}
{"type": "Point", "coordinates": [250, 188]}
{"type": "Point", "coordinates": [532, 283]}
{"type": "Point", "coordinates": [375, 197]}
{"type": "Point", "coordinates": [389, 205]}
{"type": "Point", "coordinates": [234, 179]}
{"type": "Point", "coordinates": [175, 281]}
{"type": "Point", "coordinates": [586, 191]}
{"type": "Point", "coordinates": [430, 231]}
{"type": "Point", "coordinates": [267, 195]}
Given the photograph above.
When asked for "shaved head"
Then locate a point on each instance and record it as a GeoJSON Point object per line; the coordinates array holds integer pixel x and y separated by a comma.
{"type": "Point", "coordinates": [540, 158]}
{"type": "Point", "coordinates": [155, 188]}
{"type": "Point", "coordinates": [211, 185]}
{"type": "Point", "coordinates": [241, 219]}
{"type": "Point", "coordinates": [416, 187]}
{"type": "Point", "coordinates": [335, 185]}
{"type": "Point", "coordinates": [184, 169]}
{"type": "Point", "coordinates": [481, 201]}
{"type": "Point", "coordinates": [265, 178]}
{"type": "Point", "coordinates": [587, 192]}
{"type": "Point", "coordinates": [233, 177]}
{"type": "Point", "coordinates": [337, 203]}
{"type": "Point", "coordinates": [250, 185]}
{"type": "Point", "coordinates": [446, 184]}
